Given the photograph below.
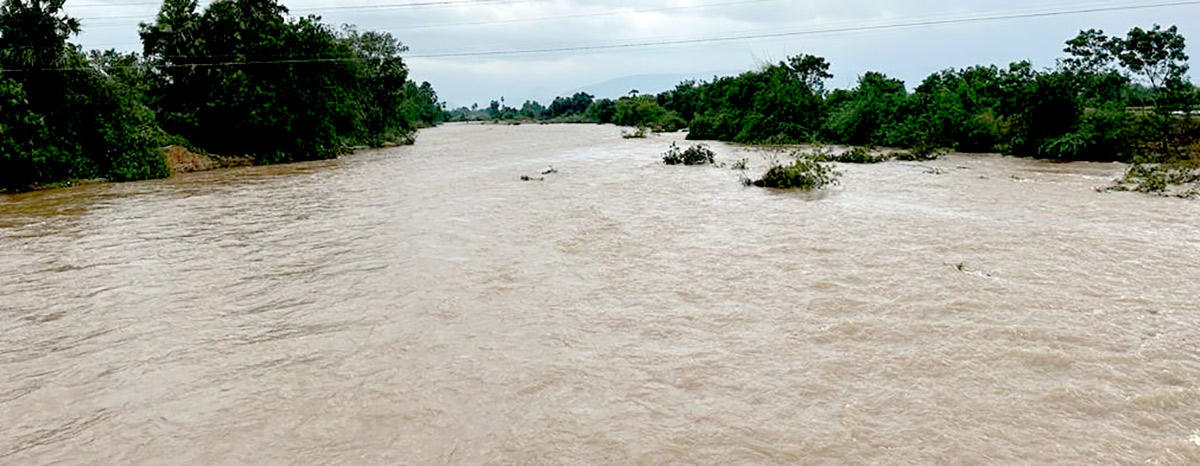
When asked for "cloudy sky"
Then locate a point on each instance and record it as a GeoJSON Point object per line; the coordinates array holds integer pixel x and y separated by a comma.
{"type": "Point", "coordinates": [636, 43]}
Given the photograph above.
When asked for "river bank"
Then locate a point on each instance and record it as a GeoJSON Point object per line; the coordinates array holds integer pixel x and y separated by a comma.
{"type": "Point", "coordinates": [181, 160]}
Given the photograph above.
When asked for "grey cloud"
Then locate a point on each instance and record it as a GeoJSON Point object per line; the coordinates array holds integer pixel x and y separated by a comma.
{"type": "Point", "coordinates": [910, 53]}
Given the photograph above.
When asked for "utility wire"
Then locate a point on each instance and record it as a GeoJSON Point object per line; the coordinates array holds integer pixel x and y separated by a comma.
{"type": "Point", "coordinates": [106, 5]}
{"type": "Point", "coordinates": [539, 18]}
{"type": "Point", "coordinates": [386, 5]}
{"type": "Point", "coordinates": [935, 22]}
{"type": "Point", "coordinates": [867, 24]}
{"type": "Point", "coordinates": [898, 25]}
{"type": "Point", "coordinates": [383, 6]}
{"type": "Point", "coordinates": [189, 65]}
{"type": "Point", "coordinates": [581, 15]}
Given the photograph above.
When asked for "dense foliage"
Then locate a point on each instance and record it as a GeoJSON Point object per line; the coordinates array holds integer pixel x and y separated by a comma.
{"type": "Point", "coordinates": [237, 78]}
{"type": "Point", "coordinates": [632, 110]}
{"type": "Point", "coordinates": [59, 117]}
{"type": "Point", "coordinates": [1112, 98]}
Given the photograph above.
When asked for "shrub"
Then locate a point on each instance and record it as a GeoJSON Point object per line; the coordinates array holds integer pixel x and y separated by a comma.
{"type": "Point", "coordinates": [640, 133]}
{"type": "Point", "coordinates": [710, 126]}
{"type": "Point", "coordinates": [1101, 135]}
{"type": "Point", "coordinates": [855, 155]}
{"type": "Point", "coordinates": [804, 173]}
{"type": "Point", "coordinates": [922, 152]}
{"type": "Point", "coordinates": [1157, 178]}
{"type": "Point", "coordinates": [671, 122]}
{"type": "Point", "coordinates": [694, 155]}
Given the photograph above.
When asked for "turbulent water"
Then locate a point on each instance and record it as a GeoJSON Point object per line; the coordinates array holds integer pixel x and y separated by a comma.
{"type": "Point", "coordinates": [422, 305]}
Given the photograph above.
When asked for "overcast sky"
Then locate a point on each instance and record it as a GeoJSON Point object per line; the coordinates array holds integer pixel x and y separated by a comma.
{"type": "Point", "coordinates": [816, 27]}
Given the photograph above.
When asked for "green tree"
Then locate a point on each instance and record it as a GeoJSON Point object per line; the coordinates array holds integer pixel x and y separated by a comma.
{"type": "Point", "coordinates": [1156, 55]}
{"type": "Point", "coordinates": [602, 111]}
{"type": "Point", "coordinates": [91, 125]}
{"type": "Point", "coordinates": [567, 106]}
{"type": "Point", "coordinates": [34, 34]}
{"type": "Point", "coordinates": [863, 115]}
{"type": "Point", "coordinates": [811, 70]}
{"type": "Point", "coordinates": [24, 142]}
{"type": "Point", "coordinates": [532, 109]}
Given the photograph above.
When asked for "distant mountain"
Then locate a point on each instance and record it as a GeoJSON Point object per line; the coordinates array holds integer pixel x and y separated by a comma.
{"type": "Point", "coordinates": [643, 83]}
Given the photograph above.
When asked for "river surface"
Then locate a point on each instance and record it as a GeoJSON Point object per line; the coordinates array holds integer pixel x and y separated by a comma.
{"type": "Point", "coordinates": [424, 306]}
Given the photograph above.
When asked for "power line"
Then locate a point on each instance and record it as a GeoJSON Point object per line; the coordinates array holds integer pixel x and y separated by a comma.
{"type": "Point", "coordinates": [391, 5]}
{"type": "Point", "coordinates": [580, 15]}
{"type": "Point", "coordinates": [107, 5]}
{"type": "Point", "coordinates": [412, 5]}
{"type": "Point", "coordinates": [517, 20]}
{"type": "Point", "coordinates": [935, 22]}
{"type": "Point", "coordinates": [898, 25]}
{"type": "Point", "coordinates": [189, 65]}
{"type": "Point", "coordinates": [534, 19]}
{"type": "Point", "coordinates": [383, 6]}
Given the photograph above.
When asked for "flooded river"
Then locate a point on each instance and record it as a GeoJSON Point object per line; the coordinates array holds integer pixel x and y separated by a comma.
{"type": "Point", "coordinates": [423, 306]}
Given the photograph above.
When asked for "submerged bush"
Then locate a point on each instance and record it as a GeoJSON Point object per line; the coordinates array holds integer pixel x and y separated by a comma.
{"type": "Point", "coordinates": [857, 155]}
{"type": "Point", "coordinates": [640, 133]}
{"type": "Point", "coordinates": [694, 155]}
{"type": "Point", "coordinates": [1158, 178]}
{"type": "Point", "coordinates": [804, 173]}
{"type": "Point", "coordinates": [920, 153]}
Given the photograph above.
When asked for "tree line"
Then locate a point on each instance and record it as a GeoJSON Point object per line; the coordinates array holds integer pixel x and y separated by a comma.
{"type": "Point", "coordinates": [1110, 98]}
{"type": "Point", "coordinates": [579, 108]}
{"type": "Point", "coordinates": [236, 78]}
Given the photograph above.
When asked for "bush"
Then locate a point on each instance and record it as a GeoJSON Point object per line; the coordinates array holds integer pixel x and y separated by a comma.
{"type": "Point", "coordinates": [694, 155]}
{"type": "Point", "coordinates": [640, 133]}
{"type": "Point", "coordinates": [804, 173]}
{"type": "Point", "coordinates": [717, 126]}
{"type": "Point", "coordinates": [671, 122]}
{"type": "Point", "coordinates": [921, 152]}
{"type": "Point", "coordinates": [644, 111]}
{"type": "Point", "coordinates": [1158, 178]}
{"type": "Point", "coordinates": [1101, 135]}
{"type": "Point", "coordinates": [854, 155]}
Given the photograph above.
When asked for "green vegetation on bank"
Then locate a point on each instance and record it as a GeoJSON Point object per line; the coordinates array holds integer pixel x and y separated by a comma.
{"type": "Point", "coordinates": [1111, 99]}
{"type": "Point", "coordinates": [635, 111]}
{"type": "Point", "coordinates": [238, 78]}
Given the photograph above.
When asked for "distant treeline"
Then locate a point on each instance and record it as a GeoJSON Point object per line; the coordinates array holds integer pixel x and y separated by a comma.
{"type": "Point", "coordinates": [1110, 98]}
{"type": "Point", "coordinates": [580, 108]}
{"type": "Point", "coordinates": [238, 78]}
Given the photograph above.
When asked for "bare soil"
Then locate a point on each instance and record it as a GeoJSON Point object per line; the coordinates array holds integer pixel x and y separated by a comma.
{"type": "Point", "coordinates": [183, 160]}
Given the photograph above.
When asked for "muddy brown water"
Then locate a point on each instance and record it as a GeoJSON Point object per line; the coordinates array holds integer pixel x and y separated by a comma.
{"type": "Point", "coordinates": [422, 305]}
